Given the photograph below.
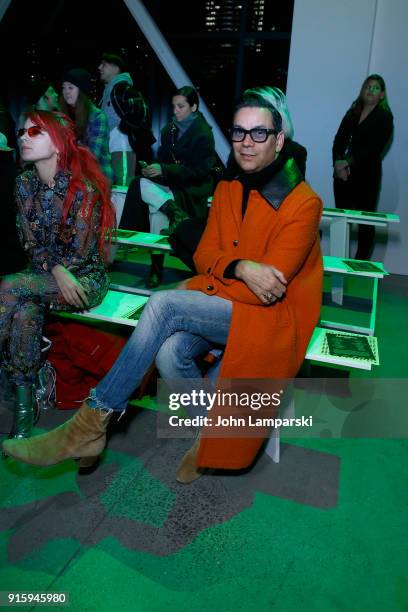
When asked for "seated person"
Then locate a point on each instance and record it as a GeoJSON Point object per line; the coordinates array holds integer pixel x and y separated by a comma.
{"type": "Point", "coordinates": [90, 122]}
{"type": "Point", "coordinates": [187, 234]}
{"type": "Point", "coordinates": [64, 214]}
{"type": "Point", "coordinates": [177, 186]}
{"type": "Point", "coordinates": [257, 293]}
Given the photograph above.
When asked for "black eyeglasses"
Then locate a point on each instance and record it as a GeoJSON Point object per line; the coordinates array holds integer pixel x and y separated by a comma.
{"type": "Point", "coordinates": [257, 134]}
{"type": "Point", "coordinates": [32, 131]}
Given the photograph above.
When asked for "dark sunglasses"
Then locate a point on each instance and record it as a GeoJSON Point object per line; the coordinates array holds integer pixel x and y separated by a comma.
{"type": "Point", "coordinates": [257, 134]}
{"type": "Point", "coordinates": [32, 131]}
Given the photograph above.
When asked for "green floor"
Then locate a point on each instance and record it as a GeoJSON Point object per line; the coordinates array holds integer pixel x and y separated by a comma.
{"type": "Point", "coordinates": [326, 529]}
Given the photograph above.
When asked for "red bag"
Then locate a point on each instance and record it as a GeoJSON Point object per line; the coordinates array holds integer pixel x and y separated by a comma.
{"type": "Point", "coordinates": [81, 356]}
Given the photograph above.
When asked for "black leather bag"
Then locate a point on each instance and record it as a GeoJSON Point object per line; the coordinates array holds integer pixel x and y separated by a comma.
{"type": "Point", "coordinates": [135, 119]}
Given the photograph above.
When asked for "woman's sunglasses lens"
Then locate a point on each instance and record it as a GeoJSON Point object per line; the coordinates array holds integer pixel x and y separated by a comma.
{"type": "Point", "coordinates": [32, 131]}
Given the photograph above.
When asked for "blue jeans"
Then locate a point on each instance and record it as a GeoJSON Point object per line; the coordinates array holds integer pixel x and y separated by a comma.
{"type": "Point", "coordinates": [175, 327]}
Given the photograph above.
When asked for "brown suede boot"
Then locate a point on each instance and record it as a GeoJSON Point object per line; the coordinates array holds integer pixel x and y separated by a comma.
{"type": "Point", "coordinates": [82, 436]}
{"type": "Point", "coordinates": [187, 470]}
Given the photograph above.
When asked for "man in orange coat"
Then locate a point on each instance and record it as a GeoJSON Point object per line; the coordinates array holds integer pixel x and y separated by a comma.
{"type": "Point", "coordinates": [258, 294]}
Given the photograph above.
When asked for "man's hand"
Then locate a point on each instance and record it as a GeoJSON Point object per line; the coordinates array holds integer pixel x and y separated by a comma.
{"type": "Point", "coordinates": [152, 171]}
{"type": "Point", "coordinates": [72, 290]}
{"type": "Point", "coordinates": [342, 169]}
{"type": "Point", "coordinates": [267, 282]}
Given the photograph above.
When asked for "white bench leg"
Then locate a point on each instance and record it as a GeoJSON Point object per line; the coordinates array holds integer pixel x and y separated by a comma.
{"type": "Point", "coordinates": [337, 288]}
{"type": "Point", "coordinates": [118, 201]}
{"type": "Point", "coordinates": [339, 247]}
{"type": "Point", "coordinates": [272, 448]}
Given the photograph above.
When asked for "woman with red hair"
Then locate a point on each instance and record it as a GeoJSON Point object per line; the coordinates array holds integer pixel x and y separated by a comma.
{"type": "Point", "coordinates": [64, 217]}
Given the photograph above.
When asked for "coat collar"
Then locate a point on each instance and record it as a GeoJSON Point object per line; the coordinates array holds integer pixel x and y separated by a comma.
{"type": "Point", "coordinates": [281, 184]}
{"type": "Point", "coordinates": [274, 183]}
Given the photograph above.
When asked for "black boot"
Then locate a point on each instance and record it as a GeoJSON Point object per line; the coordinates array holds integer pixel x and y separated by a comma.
{"type": "Point", "coordinates": [175, 215]}
{"type": "Point", "coordinates": [23, 412]}
{"type": "Point", "coordinates": [156, 271]}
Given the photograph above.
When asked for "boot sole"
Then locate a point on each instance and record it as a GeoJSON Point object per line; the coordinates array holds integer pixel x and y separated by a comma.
{"type": "Point", "coordinates": [87, 462]}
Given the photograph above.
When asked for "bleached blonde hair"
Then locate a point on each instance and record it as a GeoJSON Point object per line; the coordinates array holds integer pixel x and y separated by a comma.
{"type": "Point", "coordinates": [275, 97]}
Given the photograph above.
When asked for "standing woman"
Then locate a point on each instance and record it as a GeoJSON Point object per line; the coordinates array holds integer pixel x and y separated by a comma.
{"type": "Point", "coordinates": [178, 185]}
{"type": "Point", "coordinates": [358, 146]}
{"type": "Point", "coordinates": [64, 215]}
{"type": "Point", "coordinates": [91, 122]}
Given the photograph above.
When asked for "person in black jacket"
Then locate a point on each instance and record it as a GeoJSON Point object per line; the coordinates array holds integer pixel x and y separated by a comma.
{"type": "Point", "coordinates": [177, 186]}
{"type": "Point", "coordinates": [118, 100]}
{"type": "Point", "coordinates": [358, 146]}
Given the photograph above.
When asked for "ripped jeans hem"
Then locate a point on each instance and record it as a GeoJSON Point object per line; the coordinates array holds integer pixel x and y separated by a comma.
{"type": "Point", "coordinates": [96, 404]}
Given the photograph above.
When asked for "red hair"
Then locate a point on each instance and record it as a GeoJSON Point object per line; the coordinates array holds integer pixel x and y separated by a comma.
{"type": "Point", "coordinates": [84, 169]}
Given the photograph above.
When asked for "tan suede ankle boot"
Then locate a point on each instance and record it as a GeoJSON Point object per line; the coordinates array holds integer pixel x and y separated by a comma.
{"type": "Point", "coordinates": [82, 436]}
{"type": "Point", "coordinates": [187, 470]}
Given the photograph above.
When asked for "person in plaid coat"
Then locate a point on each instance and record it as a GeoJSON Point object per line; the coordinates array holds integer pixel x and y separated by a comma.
{"type": "Point", "coordinates": [91, 122]}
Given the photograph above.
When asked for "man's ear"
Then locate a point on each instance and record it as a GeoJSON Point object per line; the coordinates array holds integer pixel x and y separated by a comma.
{"type": "Point", "coordinates": [280, 141]}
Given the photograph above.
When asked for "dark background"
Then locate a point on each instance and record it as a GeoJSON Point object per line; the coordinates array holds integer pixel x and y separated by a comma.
{"type": "Point", "coordinates": [223, 45]}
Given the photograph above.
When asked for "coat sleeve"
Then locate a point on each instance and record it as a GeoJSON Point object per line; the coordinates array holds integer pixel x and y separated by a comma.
{"type": "Point", "coordinates": [287, 251]}
{"type": "Point", "coordinates": [209, 257]}
{"type": "Point", "coordinates": [341, 139]}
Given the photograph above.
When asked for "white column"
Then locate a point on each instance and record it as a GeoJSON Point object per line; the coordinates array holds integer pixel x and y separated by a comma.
{"type": "Point", "coordinates": [174, 68]}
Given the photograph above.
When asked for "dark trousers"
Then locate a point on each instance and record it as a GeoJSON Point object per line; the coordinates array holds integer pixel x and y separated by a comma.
{"type": "Point", "coordinates": [348, 195]}
{"type": "Point", "coordinates": [135, 215]}
{"type": "Point", "coordinates": [185, 239]}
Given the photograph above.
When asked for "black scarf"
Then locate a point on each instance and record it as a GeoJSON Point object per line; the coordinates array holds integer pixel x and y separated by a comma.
{"type": "Point", "coordinates": [253, 180]}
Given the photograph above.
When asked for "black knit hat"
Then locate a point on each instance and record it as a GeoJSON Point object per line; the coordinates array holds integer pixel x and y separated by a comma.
{"type": "Point", "coordinates": [117, 60]}
{"type": "Point", "coordinates": [80, 78]}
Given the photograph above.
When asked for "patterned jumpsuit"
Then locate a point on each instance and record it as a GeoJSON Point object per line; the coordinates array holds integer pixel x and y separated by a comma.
{"type": "Point", "coordinates": [25, 297]}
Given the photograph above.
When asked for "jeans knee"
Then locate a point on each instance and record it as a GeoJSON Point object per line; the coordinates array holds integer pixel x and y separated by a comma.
{"type": "Point", "coordinates": [167, 357]}
{"type": "Point", "coordinates": [158, 301]}
{"type": "Point", "coordinates": [174, 356]}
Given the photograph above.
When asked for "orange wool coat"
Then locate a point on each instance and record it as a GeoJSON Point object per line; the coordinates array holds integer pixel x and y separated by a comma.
{"type": "Point", "coordinates": [264, 341]}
